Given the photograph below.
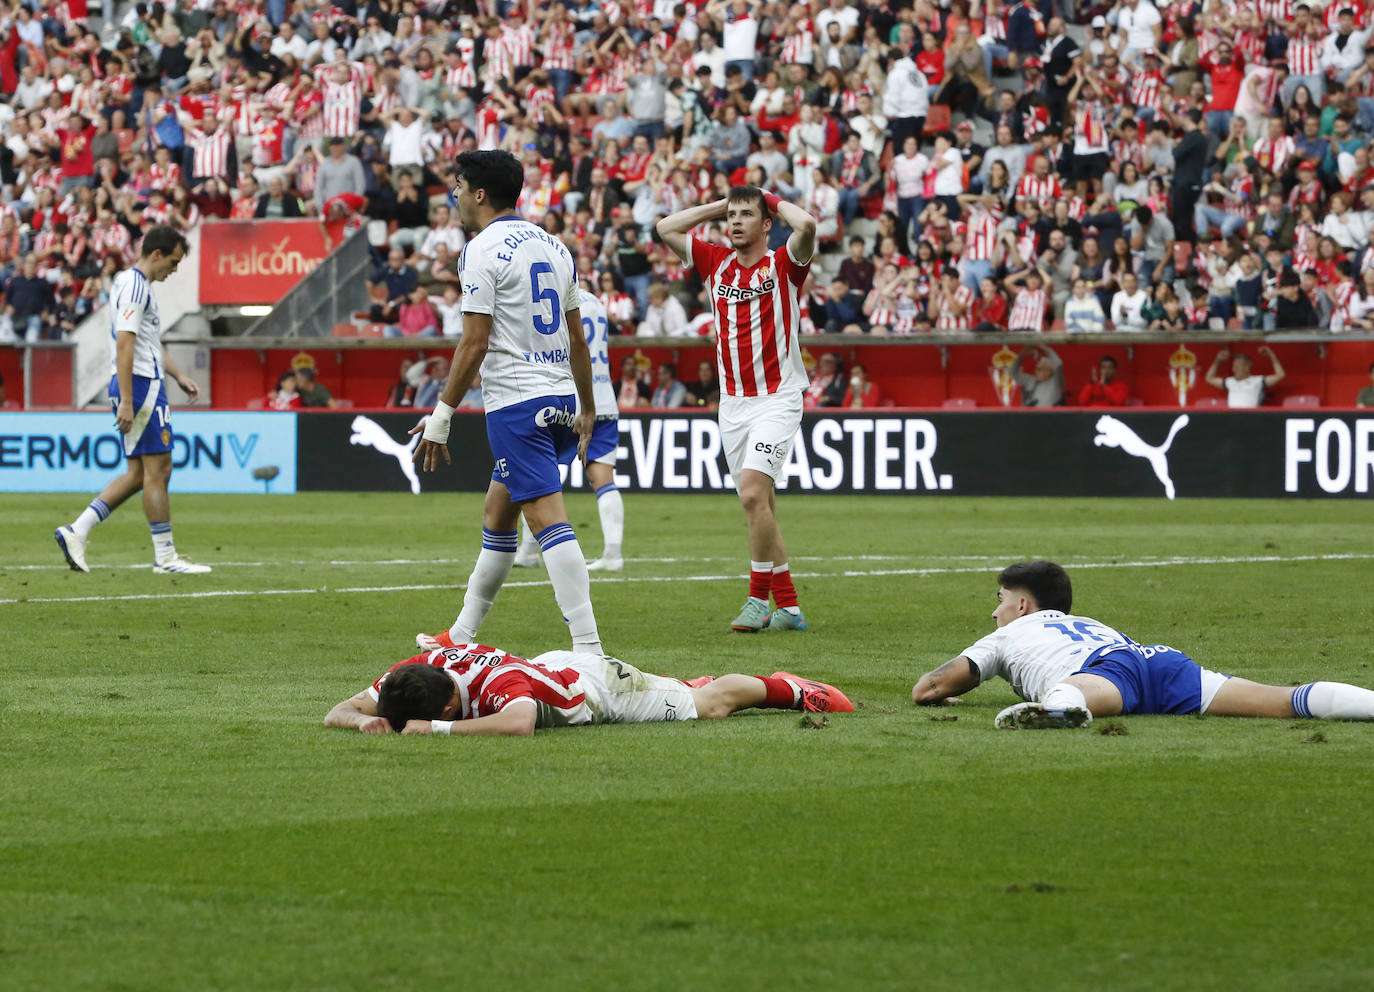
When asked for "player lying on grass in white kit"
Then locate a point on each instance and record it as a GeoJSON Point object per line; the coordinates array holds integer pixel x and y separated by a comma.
{"type": "Point", "coordinates": [475, 689]}
{"type": "Point", "coordinates": [1070, 669]}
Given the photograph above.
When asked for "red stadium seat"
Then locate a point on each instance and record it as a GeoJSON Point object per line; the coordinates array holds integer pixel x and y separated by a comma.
{"type": "Point", "coordinates": [256, 403]}
{"type": "Point", "coordinates": [344, 331]}
{"type": "Point", "coordinates": [1183, 254]}
{"type": "Point", "coordinates": [1302, 399]}
{"type": "Point", "coordinates": [937, 120]}
{"type": "Point", "coordinates": [372, 331]}
{"type": "Point", "coordinates": [1210, 403]}
{"type": "Point", "coordinates": [959, 403]}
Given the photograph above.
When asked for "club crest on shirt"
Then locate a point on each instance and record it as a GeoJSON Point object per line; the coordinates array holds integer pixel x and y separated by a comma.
{"type": "Point", "coordinates": [166, 436]}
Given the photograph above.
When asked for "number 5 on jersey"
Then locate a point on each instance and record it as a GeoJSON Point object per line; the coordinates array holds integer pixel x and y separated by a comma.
{"type": "Point", "coordinates": [542, 294]}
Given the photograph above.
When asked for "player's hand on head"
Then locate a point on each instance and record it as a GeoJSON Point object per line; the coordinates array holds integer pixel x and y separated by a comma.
{"type": "Point", "coordinates": [375, 725]}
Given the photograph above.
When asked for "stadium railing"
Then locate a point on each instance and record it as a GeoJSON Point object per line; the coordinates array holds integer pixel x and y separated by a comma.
{"type": "Point", "coordinates": [327, 296]}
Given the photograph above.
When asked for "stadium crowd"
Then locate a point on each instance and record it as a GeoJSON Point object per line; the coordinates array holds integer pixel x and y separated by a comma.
{"type": "Point", "coordinates": [981, 165]}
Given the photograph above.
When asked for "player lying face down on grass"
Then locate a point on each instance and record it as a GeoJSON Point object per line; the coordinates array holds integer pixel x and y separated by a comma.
{"type": "Point", "coordinates": [475, 689]}
{"type": "Point", "coordinates": [1070, 668]}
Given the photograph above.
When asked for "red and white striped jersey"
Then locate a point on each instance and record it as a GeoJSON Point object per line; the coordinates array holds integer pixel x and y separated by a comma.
{"type": "Point", "coordinates": [1028, 312]}
{"type": "Point", "coordinates": [946, 319]}
{"type": "Point", "coordinates": [757, 314]}
{"type": "Point", "coordinates": [210, 152]}
{"type": "Point", "coordinates": [1128, 151]}
{"type": "Point", "coordinates": [343, 105]}
{"type": "Point", "coordinates": [799, 48]}
{"type": "Point", "coordinates": [499, 62]}
{"type": "Point", "coordinates": [1250, 44]}
{"type": "Point", "coordinates": [519, 43]}
{"type": "Point", "coordinates": [268, 141]}
{"type": "Point", "coordinates": [164, 177]}
{"type": "Point", "coordinates": [558, 46]}
{"type": "Point", "coordinates": [1276, 12]}
{"type": "Point", "coordinates": [537, 99]}
{"type": "Point", "coordinates": [1341, 295]}
{"type": "Point", "coordinates": [460, 77]}
{"type": "Point", "coordinates": [620, 307]}
{"type": "Point", "coordinates": [112, 239]}
{"type": "Point", "coordinates": [488, 680]}
{"type": "Point", "coordinates": [1304, 54]}
{"type": "Point", "coordinates": [308, 115]}
{"type": "Point", "coordinates": [1042, 191]}
{"type": "Point", "coordinates": [1145, 88]}
{"type": "Point", "coordinates": [1273, 155]}
{"type": "Point", "coordinates": [982, 236]}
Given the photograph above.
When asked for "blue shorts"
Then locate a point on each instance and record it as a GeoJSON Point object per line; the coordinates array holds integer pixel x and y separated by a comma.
{"type": "Point", "coordinates": [529, 441]}
{"type": "Point", "coordinates": [151, 433]}
{"type": "Point", "coordinates": [605, 439]}
{"type": "Point", "coordinates": [1152, 678]}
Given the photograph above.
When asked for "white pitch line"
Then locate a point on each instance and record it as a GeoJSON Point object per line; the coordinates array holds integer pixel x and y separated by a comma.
{"type": "Point", "coordinates": [351, 562]}
{"type": "Point", "coordinates": [732, 577]}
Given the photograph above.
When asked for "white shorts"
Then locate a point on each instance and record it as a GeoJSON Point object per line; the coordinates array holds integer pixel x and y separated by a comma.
{"type": "Point", "coordinates": [757, 432]}
{"type": "Point", "coordinates": [1211, 682]}
{"type": "Point", "coordinates": [617, 692]}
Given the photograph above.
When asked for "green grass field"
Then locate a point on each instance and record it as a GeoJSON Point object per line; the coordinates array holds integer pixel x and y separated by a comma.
{"type": "Point", "coordinates": [174, 816]}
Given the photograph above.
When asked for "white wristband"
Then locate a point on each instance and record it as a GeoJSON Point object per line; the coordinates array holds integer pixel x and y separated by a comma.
{"type": "Point", "coordinates": [436, 427]}
{"type": "Point", "coordinates": [441, 726]}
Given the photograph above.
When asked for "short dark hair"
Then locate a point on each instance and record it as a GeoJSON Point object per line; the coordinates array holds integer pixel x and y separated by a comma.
{"type": "Point", "coordinates": [749, 194]}
{"type": "Point", "coordinates": [163, 238]}
{"type": "Point", "coordinates": [1047, 583]}
{"type": "Point", "coordinates": [1106, 358]}
{"type": "Point", "coordinates": [497, 172]}
{"type": "Point", "coordinates": [414, 692]}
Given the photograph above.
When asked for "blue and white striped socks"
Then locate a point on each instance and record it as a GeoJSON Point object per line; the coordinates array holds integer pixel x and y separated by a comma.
{"type": "Point", "coordinates": [163, 547]}
{"type": "Point", "coordinates": [611, 508]}
{"type": "Point", "coordinates": [571, 587]}
{"type": "Point", "coordinates": [488, 575]}
{"type": "Point", "coordinates": [1333, 701]}
{"type": "Point", "coordinates": [92, 515]}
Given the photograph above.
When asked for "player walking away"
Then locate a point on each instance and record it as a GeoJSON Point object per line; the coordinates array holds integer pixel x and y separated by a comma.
{"type": "Point", "coordinates": [1071, 668]}
{"type": "Point", "coordinates": [475, 689]}
{"type": "Point", "coordinates": [755, 293]}
{"type": "Point", "coordinates": [519, 300]}
{"type": "Point", "coordinates": [600, 453]}
{"type": "Point", "coordinates": [139, 397]}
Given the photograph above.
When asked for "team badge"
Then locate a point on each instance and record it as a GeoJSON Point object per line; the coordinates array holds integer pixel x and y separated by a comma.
{"type": "Point", "coordinates": [166, 436]}
{"type": "Point", "coordinates": [1182, 372]}
{"type": "Point", "coordinates": [1003, 362]}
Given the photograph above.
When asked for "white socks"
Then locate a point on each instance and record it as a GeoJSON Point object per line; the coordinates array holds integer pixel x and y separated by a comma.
{"type": "Point", "coordinates": [164, 548]}
{"type": "Point", "coordinates": [611, 508]}
{"type": "Point", "coordinates": [1333, 701]}
{"type": "Point", "coordinates": [92, 515]}
{"type": "Point", "coordinates": [571, 586]}
{"type": "Point", "coordinates": [494, 563]}
{"type": "Point", "coordinates": [1064, 695]}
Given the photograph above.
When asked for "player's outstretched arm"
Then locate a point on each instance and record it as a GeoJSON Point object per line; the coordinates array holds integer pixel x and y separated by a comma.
{"type": "Point", "coordinates": [517, 719]}
{"type": "Point", "coordinates": [674, 228]}
{"type": "Point", "coordinates": [358, 713]}
{"type": "Point", "coordinates": [953, 678]}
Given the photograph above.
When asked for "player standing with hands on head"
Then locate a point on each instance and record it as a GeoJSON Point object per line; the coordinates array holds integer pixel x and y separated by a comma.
{"type": "Point", "coordinates": [519, 301]}
{"type": "Point", "coordinates": [139, 397]}
{"type": "Point", "coordinates": [755, 297]}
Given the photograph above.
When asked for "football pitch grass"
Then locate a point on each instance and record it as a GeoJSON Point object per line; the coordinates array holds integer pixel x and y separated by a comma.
{"type": "Point", "coordinates": [174, 815]}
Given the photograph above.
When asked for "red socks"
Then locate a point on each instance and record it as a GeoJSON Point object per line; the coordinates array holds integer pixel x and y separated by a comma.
{"type": "Point", "coordinates": [784, 592]}
{"type": "Point", "coordinates": [778, 695]}
{"type": "Point", "coordinates": [760, 579]}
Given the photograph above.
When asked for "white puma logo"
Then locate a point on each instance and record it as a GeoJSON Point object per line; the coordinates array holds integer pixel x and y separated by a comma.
{"type": "Point", "coordinates": [370, 434]}
{"type": "Point", "coordinates": [1112, 433]}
